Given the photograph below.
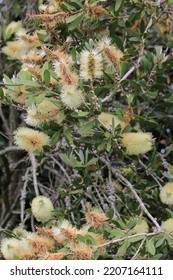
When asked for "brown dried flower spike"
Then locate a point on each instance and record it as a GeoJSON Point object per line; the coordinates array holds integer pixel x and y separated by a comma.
{"type": "Point", "coordinates": [82, 252]}
{"type": "Point", "coordinates": [96, 218]}
{"type": "Point", "coordinates": [54, 256]}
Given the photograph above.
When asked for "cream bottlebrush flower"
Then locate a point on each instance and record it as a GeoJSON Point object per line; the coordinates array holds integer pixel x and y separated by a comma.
{"type": "Point", "coordinates": [33, 56]}
{"type": "Point", "coordinates": [32, 68]}
{"type": "Point", "coordinates": [48, 110]}
{"type": "Point", "coordinates": [111, 54]}
{"type": "Point", "coordinates": [106, 120]}
{"type": "Point", "coordinates": [20, 232]}
{"type": "Point", "coordinates": [141, 227]}
{"type": "Point", "coordinates": [30, 140]}
{"type": "Point", "coordinates": [14, 49]}
{"type": "Point", "coordinates": [71, 97]}
{"type": "Point", "coordinates": [30, 40]}
{"type": "Point", "coordinates": [137, 143]}
{"type": "Point", "coordinates": [58, 55]}
{"type": "Point", "coordinates": [12, 247]}
{"type": "Point", "coordinates": [166, 194]}
{"type": "Point", "coordinates": [63, 71]}
{"type": "Point", "coordinates": [42, 208]}
{"type": "Point", "coordinates": [90, 65]}
{"type": "Point", "coordinates": [168, 225]}
{"type": "Point", "coordinates": [9, 248]}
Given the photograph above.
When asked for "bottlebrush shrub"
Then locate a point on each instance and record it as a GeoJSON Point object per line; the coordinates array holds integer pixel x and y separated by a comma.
{"type": "Point", "coordinates": [95, 89]}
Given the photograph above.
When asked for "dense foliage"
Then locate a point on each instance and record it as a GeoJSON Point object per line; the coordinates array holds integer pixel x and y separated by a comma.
{"type": "Point", "coordinates": [93, 104]}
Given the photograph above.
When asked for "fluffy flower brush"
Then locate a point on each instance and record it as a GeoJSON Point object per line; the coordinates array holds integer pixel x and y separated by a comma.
{"type": "Point", "coordinates": [82, 252]}
{"type": "Point", "coordinates": [19, 95]}
{"type": "Point", "coordinates": [71, 97]}
{"type": "Point", "coordinates": [30, 140]}
{"type": "Point", "coordinates": [166, 194]}
{"type": "Point", "coordinates": [14, 50]}
{"type": "Point", "coordinates": [42, 208]}
{"type": "Point", "coordinates": [137, 143]}
{"type": "Point", "coordinates": [54, 256]}
{"type": "Point", "coordinates": [91, 65]}
{"type": "Point", "coordinates": [106, 120]}
{"type": "Point", "coordinates": [96, 218]}
{"type": "Point", "coordinates": [46, 111]}
{"type": "Point", "coordinates": [168, 225]}
{"type": "Point", "coordinates": [40, 244]}
{"type": "Point", "coordinates": [63, 71]}
{"type": "Point", "coordinates": [111, 54]}
{"type": "Point", "coordinates": [141, 227]}
{"type": "Point", "coordinates": [64, 232]}
{"type": "Point", "coordinates": [12, 247]}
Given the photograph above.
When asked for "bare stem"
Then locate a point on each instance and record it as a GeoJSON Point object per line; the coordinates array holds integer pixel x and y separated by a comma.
{"type": "Point", "coordinates": [139, 249]}
{"type": "Point", "coordinates": [129, 237]}
{"type": "Point", "coordinates": [10, 149]}
{"type": "Point", "coordinates": [22, 199]}
{"type": "Point", "coordinates": [34, 172]}
{"type": "Point", "coordinates": [130, 186]}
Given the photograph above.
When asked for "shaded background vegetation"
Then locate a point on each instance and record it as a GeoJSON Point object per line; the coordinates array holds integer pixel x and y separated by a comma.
{"type": "Point", "coordinates": [149, 99]}
{"type": "Point", "coordinates": [10, 173]}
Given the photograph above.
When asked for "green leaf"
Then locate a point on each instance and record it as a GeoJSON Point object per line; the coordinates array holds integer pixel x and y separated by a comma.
{"type": "Point", "coordinates": [71, 161]}
{"type": "Point", "coordinates": [116, 233]}
{"type": "Point", "coordinates": [89, 239]}
{"type": "Point", "coordinates": [150, 247]}
{"type": "Point", "coordinates": [55, 138]}
{"type": "Point", "coordinates": [11, 29]}
{"type": "Point", "coordinates": [136, 239]}
{"type": "Point", "coordinates": [110, 214]}
{"type": "Point", "coordinates": [123, 248]}
{"type": "Point", "coordinates": [83, 114]}
{"type": "Point", "coordinates": [160, 242]}
{"type": "Point", "coordinates": [67, 134]}
{"type": "Point", "coordinates": [79, 115]}
{"type": "Point", "coordinates": [40, 98]}
{"type": "Point", "coordinates": [1, 93]}
{"type": "Point", "coordinates": [8, 80]}
{"type": "Point", "coordinates": [74, 21]}
{"type": "Point", "coordinates": [109, 145]}
{"type": "Point", "coordinates": [118, 42]}
{"type": "Point", "coordinates": [65, 250]}
{"type": "Point", "coordinates": [92, 161]}
{"type": "Point", "coordinates": [131, 223]}
{"type": "Point", "coordinates": [81, 156]}
{"type": "Point", "coordinates": [118, 5]}
{"type": "Point", "coordinates": [47, 77]}
{"type": "Point", "coordinates": [87, 127]}
{"type": "Point", "coordinates": [80, 238]}
{"type": "Point", "coordinates": [28, 83]}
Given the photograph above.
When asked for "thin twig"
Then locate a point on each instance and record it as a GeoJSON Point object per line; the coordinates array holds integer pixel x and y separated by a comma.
{"type": "Point", "coordinates": [10, 149]}
{"type": "Point", "coordinates": [139, 248]}
{"type": "Point", "coordinates": [5, 124]}
{"type": "Point", "coordinates": [152, 174]}
{"type": "Point", "coordinates": [61, 167]}
{"type": "Point", "coordinates": [128, 73]}
{"type": "Point", "coordinates": [114, 241]}
{"type": "Point", "coordinates": [34, 172]}
{"type": "Point", "coordinates": [130, 186]}
{"type": "Point", "coordinates": [22, 199]}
